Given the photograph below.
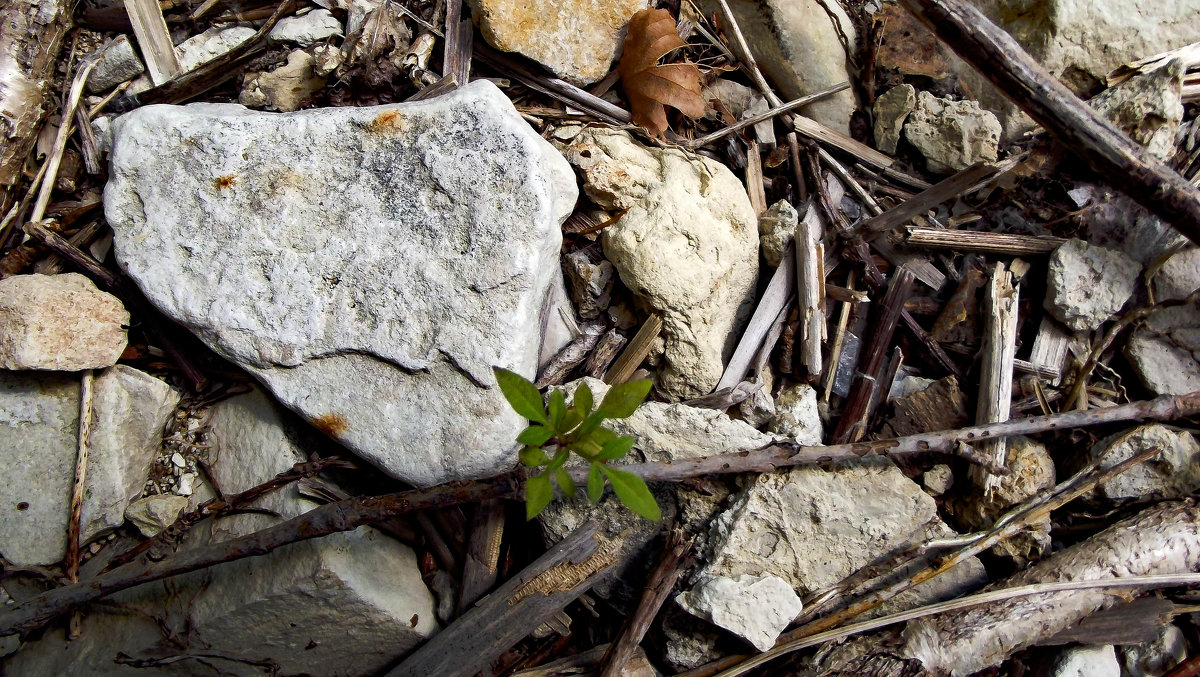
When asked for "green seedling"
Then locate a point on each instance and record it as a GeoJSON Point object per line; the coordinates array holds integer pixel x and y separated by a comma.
{"type": "Point", "coordinates": [557, 431]}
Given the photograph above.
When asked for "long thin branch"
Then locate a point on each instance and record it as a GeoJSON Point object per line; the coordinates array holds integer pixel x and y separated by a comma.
{"type": "Point", "coordinates": [352, 513]}
{"type": "Point", "coordinates": [766, 115]}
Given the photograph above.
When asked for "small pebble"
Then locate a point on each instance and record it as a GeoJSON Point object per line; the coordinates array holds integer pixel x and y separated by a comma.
{"type": "Point", "coordinates": [177, 459]}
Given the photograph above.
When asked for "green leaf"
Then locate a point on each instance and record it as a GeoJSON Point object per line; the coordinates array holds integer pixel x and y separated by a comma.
{"type": "Point", "coordinates": [623, 399]}
{"type": "Point", "coordinates": [538, 493]}
{"type": "Point", "coordinates": [615, 449]}
{"type": "Point", "coordinates": [535, 435]}
{"type": "Point", "coordinates": [533, 457]}
{"type": "Point", "coordinates": [559, 459]}
{"type": "Point", "coordinates": [522, 395]}
{"type": "Point", "coordinates": [595, 485]}
{"type": "Point", "coordinates": [590, 424]}
{"type": "Point", "coordinates": [633, 492]}
{"type": "Point", "coordinates": [564, 482]}
{"type": "Point", "coordinates": [583, 399]}
{"type": "Point", "coordinates": [558, 409]}
{"type": "Point", "coordinates": [571, 420]}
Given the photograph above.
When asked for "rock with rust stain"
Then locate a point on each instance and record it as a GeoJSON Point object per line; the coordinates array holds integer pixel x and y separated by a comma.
{"type": "Point", "coordinates": [368, 265]}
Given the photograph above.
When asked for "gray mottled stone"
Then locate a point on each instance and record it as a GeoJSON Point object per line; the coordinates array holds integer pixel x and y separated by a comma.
{"type": "Point", "coordinates": [952, 135]}
{"type": "Point", "coordinates": [1157, 657]}
{"type": "Point", "coordinates": [286, 88]}
{"type": "Point", "coordinates": [797, 416]}
{"type": "Point", "coordinates": [1147, 106]}
{"type": "Point", "coordinates": [39, 423]}
{"type": "Point", "coordinates": [59, 322]}
{"type": "Point", "coordinates": [1165, 350]}
{"type": "Point", "coordinates": [891, 110]}
{"type": "Point", "coordinates": [776, 230]}
{"type": "Point", "coordinates": [1087, 661]}
{"type": "Point", "coordinates": [687, 245]}
{"type": "Point", "coordinates": [755, 608]}
{"type": "Point", "coordinates": [117, 63]}
{"type": "Point", "coordinates": [1179, 275]}
{"type": "Point", "coordinates": [315, 26]}
{"type": "Point", "coordinates": [152, 514]}
{"type": "Point", "coordinates": [1087, 284]}
{"type": "Point", "coordinates": [369, 265]}
{"type": "Point", "coordinates": [1173, 472]}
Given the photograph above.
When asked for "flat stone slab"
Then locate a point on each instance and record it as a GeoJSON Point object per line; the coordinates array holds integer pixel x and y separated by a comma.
{"type": "Point", "coordinates": [368, 265]}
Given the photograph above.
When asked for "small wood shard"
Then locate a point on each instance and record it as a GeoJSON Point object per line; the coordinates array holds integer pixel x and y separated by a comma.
{"type": "Point", "coordinates": [996, 377]}
{"type": "Point", "coordinates": [153, 39]}
{"type": "Point", "coordinates": [565, 576]}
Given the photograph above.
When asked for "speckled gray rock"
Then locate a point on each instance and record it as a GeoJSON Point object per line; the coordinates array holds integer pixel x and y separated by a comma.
{"type": "Point", "coordinates": [891, 110]}
{"type": "Point", "coordinates": [1157, 657]}
{"type": "Point", "coordinates": [60, 323]}
{"type": "Point", "coordinates": [1148, 107]}
{"type": "Point", "coordinates": [687, 246]}
{"type": "Point", "coordinates": [755, 608]}
{"type": "Point", "coordinates": [1087, 661]}
{"type": "Point", "coordinates": [776, 230]}
{"type": "Point", "coordinates": [39, 422]}
{"type": "Point", "coordinates": [952, 135]}
{"type": "Point", "coordinates": [1179, 275]}
{"type": "Point", "coordinates": [797, 416]}
{"type": "Point", "coordinates": [1174, 472]}
{"type": "Point", "coordinates": [576, 39]}
{"type": "Point", "coordinates": [307, 29]}
{"type": "Point", "coordinates": [368, 265]}
{"type": "Point", "coordinates": [154, 513]}
{"type": "Point", "coordinates": [1087, 284]}
{"type": "Point", "coordinates": [116, 63]}
{"type": "Point", "coordinates": [1165, 350]}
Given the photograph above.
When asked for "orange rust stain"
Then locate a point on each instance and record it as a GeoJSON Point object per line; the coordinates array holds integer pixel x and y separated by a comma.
{"type": "Point", "coordinates": [387, 121]}
{"type": "Point", "coordinates": [331, 424]}
{"type": "Point", "coordinates": [222, 182]}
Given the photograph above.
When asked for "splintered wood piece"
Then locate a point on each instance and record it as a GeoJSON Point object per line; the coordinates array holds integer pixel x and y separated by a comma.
{"type": "Point", "coordinates": [992, 243]}
{"type": "Point", "coordinates": [996, 369]}
{"type": "Point", "coordinates": [153, 38]}
{"type": "Point", "coordinates": [754, 180]}
{"type": "Point", "coordinates": [778, 291]}
{"type": "Point", "coordinates": [922, 268]}
{"type": "Point", "coordinates": [1003, 61]}
{"type": "Point", "coordinates": [481, 565]}
{"type": "Point", "coordinates": [571, 355]}
{"type": "Point", "coordinates": [1050, 347]}
{"type": "Point", "coordinates": [552, 87]}
{"type": "Point", "coordinates": [839, 340]}
{"type": "Point", "coordinates": [456, 59]}
{"type": "Point", "coordinates": [943, 191]}
{"type": "Point", "coordinates": [935, 348]}
{"type": "Point", "coordinates": [822, 134]}
{"type": "Point", "coordinates": [531, 598]}
{"type": "Point", "coordinates": [956, 323]}
{"type": "Point", "coordinates": [941, 406]}
{"type": "Point", "coordinates": [606, 351]}
{"type": "Point", "coordinates": [852, 425]}
{"type": "Point", "coordinates": [810, 290]}
{"type": "Point", "coordinates": [637, 350]}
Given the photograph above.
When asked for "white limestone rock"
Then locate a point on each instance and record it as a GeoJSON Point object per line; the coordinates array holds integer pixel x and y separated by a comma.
{"type": "Point", "coordinates": [1173, 472]}
{"type": "Point", "coordinates": [576, 39]}
{"type": "Point", "coordinates": [39, 421]}
{"type": "Point", "coordinates": [797, 416]}
{"type": "Point", "coordinates": [1086, 284]}
{"type": "Point", "coordinates": [307, 29]}
{"type": "Point", "coordinates": [59, 323]}
{"type": "Point", "coordinates": [777, 229]}
{"type": "Point", "coordinates": [116, 63]}
{"type": "Point", "coordinates": [687, 246]}
{"type": "Point", "coordinates": [755, 608]}
{"type": "Point", "coordinates": [952, 135]}
{"type": "Point", "coordinates": [286, 88]}
{"type": "Point", "coordinates": [1179, 275]}
{"type": "Point", "coordinates": [1087, 661]}
{"type": "Point", "coordinates": [199, 49]}
{"type": "Point", "coordinates": [154, 513]}
{"type": "Point", "coordinates": [368, 265]}
{"type": "Point", "coordinates": [797, 45]}
{"type": "Point", "coordinates": [1165, 350]}
{"type": "Point", "coordinates": [1148, 107]}
{"type": "Point", "coordinates": [938, 479]}
{"type": "Point", "coordinates": [890, 111]}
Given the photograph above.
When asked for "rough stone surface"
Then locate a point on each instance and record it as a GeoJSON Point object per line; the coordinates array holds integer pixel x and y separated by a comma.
{"type": "Point", "coordinates": [812, 527]}
{"type": "Point", "coordinates": [39, 422]}
{"type": "Point", "coordinates": [286, 88]}
{"type": "Point", "coordinates": [796, 415]}
{"type": "Point", "coordinates": [776, 230]}
{"type": "Point", "coordinates": [755, 608]}
{"type": "Point", "coordinates": [307, 29]}
{"type": "Point", "coordinates": [59, 322]}
{"type": "Point", "coordinates": [952, 135]}
{"type": "Point", "coordinates": [152, 514]}
{"type": "Point", "coordinates": [796, 44]}
{"type": "Point", "coordinates": [1148, 107]}
{"type": "Point", "coordinates": [1087, 661]}
{"type": "Point", "coordinates": [1165, 350]}
{"type": "Point", "coordinates": [938, 479]}
{"type": "Point", "coordinates": [199, 49]}
{"type": "Point", "coordinates": [891, 110]}
{"type": "Point", "coordinates": [1081, 42]}
{"type": "Point", "coordinates": [687, 246]}
{"type": "Point", "coordinates": [368, 265]}
{"type": "Point", "coordinates": [591, 283]}
{"type": "Point", "coordinates": [1155, 658]}
{"type": "Point", "coordinates": [116, 64]}
{"type": "Point", "coordinates": [1174, 472]}
{"type": "Point", "coordinates": [1179, 275]}
{"type": "Point", "coordinates": [1031, 471]}
{"type": "Point", "coordinates": [576, 39]}
{"type": "Point", "coordinates": [1087, 284]}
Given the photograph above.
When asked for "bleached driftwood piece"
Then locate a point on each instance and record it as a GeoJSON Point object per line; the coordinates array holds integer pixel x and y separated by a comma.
{"type": "Point", "coordinates": [635, 352]}
{"type": "Point", "coordinates": [776, 296]}
{"type": "Point", "coordinates": [996, 370]}
{"type": "Point", "coordinates": [810, 289]}
{"type": "Point", "coordinates": [153, 38]}
{"type": "Point", "coordinates": [1050, 347]}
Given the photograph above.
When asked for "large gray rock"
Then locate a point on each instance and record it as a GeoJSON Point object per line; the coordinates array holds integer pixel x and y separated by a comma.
{"type": "Point", "coordinates": [1086, 284]}
{"type": "Point", "coordinates": [368, 265]}
{"type": "Point", "coordinates": [59, 322]}
{"type": "Point", "coordinates": [1179, 275]}
{"type": "Point", "coordinates": [797, 45]}
{"type": "Point", "coordinates": [1173, 472]}
{"type": "Point", "coordinates": [576, 39]}
{"type": "Point", "coordinates": [952, 135]}
{"type": "Point", "coordinates": [687, 245]}
{"type": "Point", "coordinates": [1081, 42]}
{"type": "Point", "coordinates": [39, 423]}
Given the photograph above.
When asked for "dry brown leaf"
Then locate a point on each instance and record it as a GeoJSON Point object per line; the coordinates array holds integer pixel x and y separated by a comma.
{"type": "Point", "coordinates": [909, 46]}
{"type": "Point", "coordinates": [649, 86]}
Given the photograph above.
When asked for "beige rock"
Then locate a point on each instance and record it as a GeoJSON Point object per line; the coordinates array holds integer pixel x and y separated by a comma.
{"type": "Point", "coordinates": [59, 322]}
{"type": "Point", "coordinates": [152, 514]}
{"type": "Point", "coordinates": [576, 39]}
{"type": "Point", "coordinates": [891, 110]}
{"type": "Point", "coordinates": [1148, 107]}
{"type": "Point", "coordinates": [286, 88]}
{"type": "Point", "coordinates": [952, 135]}
{"type": "Point", "coordinates": [777, 229]}
{"type": "Point", "coordinates": [687, 246]}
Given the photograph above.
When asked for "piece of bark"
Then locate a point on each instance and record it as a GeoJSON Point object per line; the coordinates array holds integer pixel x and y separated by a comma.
{"type": "Point", "coordinates": [996, 369]}
{"type": "Point", "coordinates": [941, 406]}
{"type": "Point", "coordinates": [934, 348]}
{"type": "Point", "coordinates": [754, 179]}
{"type": "Point", "coordinates": [481, 565]}
{"type": "Point", "coordinates": [1050, 347]}
{"type": "Point", "coordinates": [606, 351]}
{"type": "Point", "coordinates": [635, 352]}
{"type": "Point", "coordinates": [774, 299]}
{"type": "Point", "coordinates": [839, 340]}
{"type": "Point", "coordinates": [852, 426]}
{"type": "Point", "coordinates": [992, 243]}
{"type": "Point", "coordinates": [810, 290]}
{"type": "Point", "coordinates": [541, 590]}
{"type": "Point", "coordinates": [1136, 622]}
{"type": "Point", "coordinates": [1125, 163]}
{"type": "Point", "coordinates": [153, 39]}
{"type": "Point", "coordinates": [959, 318]}
{"type": "Point", "coordinates": [571, 355]}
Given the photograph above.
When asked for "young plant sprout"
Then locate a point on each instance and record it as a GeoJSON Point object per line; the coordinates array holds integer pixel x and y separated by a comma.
{"type": "Point", "coordinates": [557, 431]}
